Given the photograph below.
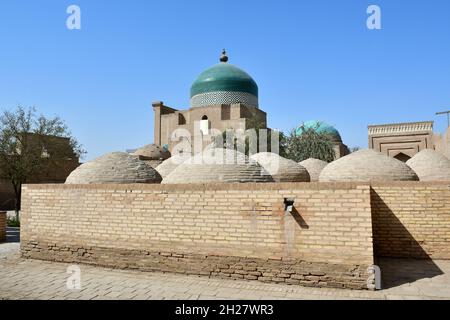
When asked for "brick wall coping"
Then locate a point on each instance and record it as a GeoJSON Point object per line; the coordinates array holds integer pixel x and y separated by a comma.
{"type": "Point", "coordinates": [197, 187]}
{"type": "Point", "coordinates": [240, 186]}
{"type": "Point", "coordinates": [411, 184]}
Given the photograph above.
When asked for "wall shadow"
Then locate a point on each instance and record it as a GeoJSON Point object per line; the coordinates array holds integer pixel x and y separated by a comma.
{"type": "Point", "coordinates": [398, 271]}
{"type": "Point", "coordinates": [401, 258]}
{"type": "Point", "coordinates": [299, 219]}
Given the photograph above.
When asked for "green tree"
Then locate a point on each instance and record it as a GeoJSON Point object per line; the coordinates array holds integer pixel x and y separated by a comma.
{"type": "Point", "coordinates": [30, 143]}
{"type": "Point", "coordinates": [304, 143]}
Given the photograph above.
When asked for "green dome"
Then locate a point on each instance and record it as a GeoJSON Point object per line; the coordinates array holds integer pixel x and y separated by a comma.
{"type": "Point", "coordinates": [224, 83]}
{"type": "Point", "coordinates": [224, 77]}
{"type": "Point", "coordinates": [319, 127]}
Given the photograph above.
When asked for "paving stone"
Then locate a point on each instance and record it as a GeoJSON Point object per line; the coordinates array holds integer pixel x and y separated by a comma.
{"type": "Point", "coordinates": [34, 279]}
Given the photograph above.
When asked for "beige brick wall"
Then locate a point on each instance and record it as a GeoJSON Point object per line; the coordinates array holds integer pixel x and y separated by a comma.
{"type": "Point", "coordinates": [2, 226]}
{"type": "Point", "coordinates": [239, 231]}
{"type": "Point", "coordinates": [411, 220]}
{"type": "Point", "coordinates": [329, 228]}
{"type": "Point", "coordinates": [331, 224]}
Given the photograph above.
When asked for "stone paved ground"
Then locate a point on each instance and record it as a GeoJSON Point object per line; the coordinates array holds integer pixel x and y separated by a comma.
{"type": "Point", "coordinates": [32, 279]}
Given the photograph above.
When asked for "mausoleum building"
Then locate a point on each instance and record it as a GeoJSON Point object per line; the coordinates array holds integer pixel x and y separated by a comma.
{"type": "Point", "coordinates": [222, 97]}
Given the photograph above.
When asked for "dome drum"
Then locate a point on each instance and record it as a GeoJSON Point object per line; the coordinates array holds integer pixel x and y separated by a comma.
{"type": "Point", "coordinates": [223, 97]}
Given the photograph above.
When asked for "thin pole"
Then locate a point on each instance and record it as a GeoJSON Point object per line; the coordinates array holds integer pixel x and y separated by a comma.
{"type": "Point", "coordinates": [448, 116]}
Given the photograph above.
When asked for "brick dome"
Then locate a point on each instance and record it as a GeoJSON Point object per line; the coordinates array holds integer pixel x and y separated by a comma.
{"type": "Point", "coordinates": [281, 169]}
{"type": "Point", "coordinates": [314, 167]}
{"type": "Point", "coordinates": [115, 167]}
{"type": "Point", "coordinates": [217, 165]}
{"type": "Point", "coordinates": [167, 166]}
{"type": "Point", "coordinates": [430, 165]}
{"type": "Point", "coordinates": [152, 152]}
{"type": "Point", "coordinates": [367, 165]}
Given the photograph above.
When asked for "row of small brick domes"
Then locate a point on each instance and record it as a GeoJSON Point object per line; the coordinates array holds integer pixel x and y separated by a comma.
{"type": "Point", "coordinates": [229, 166]}
{"type": "Point", "coordinates": [363, 165]}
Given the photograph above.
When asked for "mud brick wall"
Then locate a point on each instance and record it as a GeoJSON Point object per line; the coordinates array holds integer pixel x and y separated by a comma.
{"type": "Point", "coordinates": [411, 220]}
{"type": "Point", "coordinates": [2, 226]}
{"type": "Point", "coordinates": [238, 231]}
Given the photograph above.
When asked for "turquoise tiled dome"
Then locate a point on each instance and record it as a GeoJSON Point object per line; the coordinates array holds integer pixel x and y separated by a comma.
{"type": "Point", "coordinates": [320, 127]}
{"type": "Point", "coordinates": [224, 84]}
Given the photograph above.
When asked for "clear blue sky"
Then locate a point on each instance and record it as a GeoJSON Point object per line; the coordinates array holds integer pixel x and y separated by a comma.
{"type": "Point", "coordinates": [311, 59]}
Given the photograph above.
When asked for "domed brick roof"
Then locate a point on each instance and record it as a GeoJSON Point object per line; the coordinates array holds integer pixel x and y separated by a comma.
{"type": "Point", "coordinates": [314, 167]}
{"type": "Point", "coordinates": [152, 152]}
{"type": "Point", "coordinates": [367, 165]}
{"type": "Point", "coordinates": [167, 166]}
{"type": "Point", "coordinates": [281, 169]}
{"type": "Point", "coordinates": [216, 165]}
{"type": "Point", "coordinates": [115, 167]}
{"type": "Point", "coordinates": [430, 165]}
{"type": "Point", "coordinates": [224, 84]}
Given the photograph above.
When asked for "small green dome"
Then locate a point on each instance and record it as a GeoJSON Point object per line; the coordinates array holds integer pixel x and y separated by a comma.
{"type": "Point", "coordinates": [224, 83]}
{"type": "Point", "coordinates": [319, 127]}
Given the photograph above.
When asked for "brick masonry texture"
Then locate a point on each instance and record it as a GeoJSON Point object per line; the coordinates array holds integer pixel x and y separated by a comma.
{"type": "Point", "coordinates": [238, 231]}
{"type": "Point", "coordinates": [411, 220]}
{"type": "Point", "coordinates": [2, 226]}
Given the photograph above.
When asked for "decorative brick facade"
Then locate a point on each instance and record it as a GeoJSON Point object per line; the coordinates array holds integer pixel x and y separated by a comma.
{"type": "Point", "coordinates": [401, 140]}
{"type": "Point", "coordinates": [225, 230]}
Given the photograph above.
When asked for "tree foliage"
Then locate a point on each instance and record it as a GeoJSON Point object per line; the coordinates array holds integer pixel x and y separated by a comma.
{"type": "Point", "coordinates": [29, 143]}
{"type": "Point", "coordinates": [309, 143]}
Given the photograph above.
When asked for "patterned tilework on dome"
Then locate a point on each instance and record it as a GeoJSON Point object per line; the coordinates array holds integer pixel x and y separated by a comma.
{"type": "Point", "coordinates": [223, 97]}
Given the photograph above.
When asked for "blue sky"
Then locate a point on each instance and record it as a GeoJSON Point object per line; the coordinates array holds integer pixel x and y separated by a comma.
{"type": "Point", "coordinates": [311, 59]}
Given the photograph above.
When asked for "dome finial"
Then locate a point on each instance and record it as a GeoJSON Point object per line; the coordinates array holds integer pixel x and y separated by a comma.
{"type": "Point", "coordinates": [224, 57]}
